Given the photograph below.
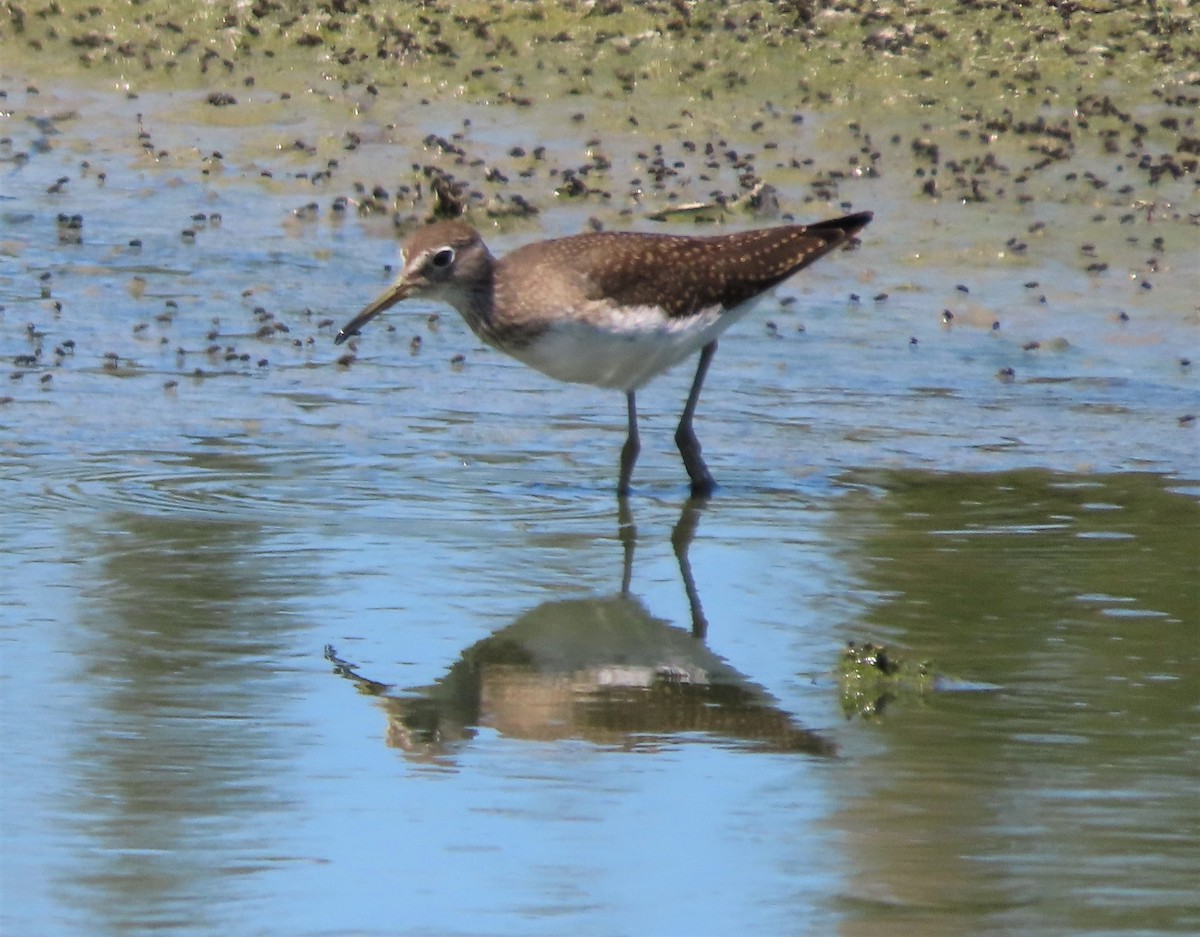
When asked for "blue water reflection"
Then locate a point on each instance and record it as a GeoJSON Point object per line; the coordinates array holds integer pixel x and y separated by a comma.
{"type": "Point", "coordinates": [600, 669]}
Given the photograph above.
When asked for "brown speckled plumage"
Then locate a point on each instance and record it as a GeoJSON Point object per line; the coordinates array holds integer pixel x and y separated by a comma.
{"type": "Point", "coordinates": [612, 309]}
{"type": "Point", "coordinates": [681, 274]}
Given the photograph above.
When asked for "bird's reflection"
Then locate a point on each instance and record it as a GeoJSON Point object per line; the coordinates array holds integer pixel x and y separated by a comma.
{"type": "Point", "coordinates": [603, 670]}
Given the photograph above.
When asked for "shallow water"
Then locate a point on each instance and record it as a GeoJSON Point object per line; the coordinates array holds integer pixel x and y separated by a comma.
{"type": "Point", "coordinates": [298, 647]}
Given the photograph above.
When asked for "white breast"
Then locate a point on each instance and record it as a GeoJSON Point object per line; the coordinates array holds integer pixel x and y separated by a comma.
{"type": "Point", "coordinates": [623, 349]}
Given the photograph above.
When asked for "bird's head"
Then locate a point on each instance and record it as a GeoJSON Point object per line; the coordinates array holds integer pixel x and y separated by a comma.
{"type": "Point", "coordinates": [446, 261]}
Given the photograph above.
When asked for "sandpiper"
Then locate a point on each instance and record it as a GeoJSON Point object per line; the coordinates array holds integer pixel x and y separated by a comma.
{"type": "Point", "coordinates": [612, 309]}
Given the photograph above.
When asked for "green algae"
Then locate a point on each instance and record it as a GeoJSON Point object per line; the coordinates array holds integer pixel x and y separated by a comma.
{"type": "Point", "coordinates": [1008, 143]}
{"type": "Point", "coordinates": [530, 51]}
{"type": "Point", "coordinates": [870, 677]}
{"type": "Point", "coordinates": [989, 98]}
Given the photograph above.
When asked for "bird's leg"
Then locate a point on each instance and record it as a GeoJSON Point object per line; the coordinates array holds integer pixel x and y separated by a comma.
{"type": "Point", "coordinates": [629, 452]}
{"type": "Point", "coordinates": [685, 436]}
{"type": "Point", "coordinates": [627, 532]}
{"type": "Point", "coordinates": [681, 541]}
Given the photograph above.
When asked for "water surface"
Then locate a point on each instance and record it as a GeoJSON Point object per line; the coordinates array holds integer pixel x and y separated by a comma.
{"type": "Point", "coordinates": [298, 646]}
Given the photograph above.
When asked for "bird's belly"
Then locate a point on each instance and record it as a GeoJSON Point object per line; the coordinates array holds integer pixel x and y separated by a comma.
{"type": "Point", "coordinates": [623, 354]}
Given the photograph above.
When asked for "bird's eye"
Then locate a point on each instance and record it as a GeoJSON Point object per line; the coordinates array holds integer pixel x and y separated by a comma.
{"type": "Point", "coordinates": [443, 258]}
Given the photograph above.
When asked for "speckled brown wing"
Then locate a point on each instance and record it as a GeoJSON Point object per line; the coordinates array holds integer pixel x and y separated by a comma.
{"type": "Point", "coordinates": [680, 274]}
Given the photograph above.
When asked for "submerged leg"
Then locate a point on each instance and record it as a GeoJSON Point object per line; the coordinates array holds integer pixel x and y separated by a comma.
{"type": "Point", "coordinates": [627, 532]}
{"type": "Point", "coordinates": [685, 436]}
{"type": "Point", "coordinates": [629, 452]}
{"type": "Point", "coordinates": [681, 541]}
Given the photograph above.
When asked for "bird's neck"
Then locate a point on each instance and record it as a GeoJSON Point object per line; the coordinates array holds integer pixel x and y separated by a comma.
{"type": "Point", "coordinates": [475, 302]}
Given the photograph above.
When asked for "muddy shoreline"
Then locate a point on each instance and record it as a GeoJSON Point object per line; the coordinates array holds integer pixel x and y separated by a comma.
{"type": "Point", "coordinates": [667, 103]}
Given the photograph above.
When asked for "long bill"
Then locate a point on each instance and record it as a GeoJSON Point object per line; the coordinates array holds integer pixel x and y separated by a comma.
{"type": "Point", "coordinates": [394, 293]}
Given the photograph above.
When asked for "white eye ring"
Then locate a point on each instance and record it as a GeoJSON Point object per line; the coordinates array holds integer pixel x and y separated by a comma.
{"type": "Point", "coordinates": [442, 258]}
